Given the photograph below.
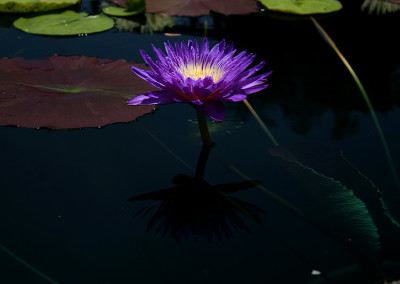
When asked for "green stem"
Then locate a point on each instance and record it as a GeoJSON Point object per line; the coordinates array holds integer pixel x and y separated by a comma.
{"type": "Point", "coordinates": [205, 135]}
{"type": "Point", "coordinates": [261, 123]}
{"type": "Point", "coordinates": [366, 98]}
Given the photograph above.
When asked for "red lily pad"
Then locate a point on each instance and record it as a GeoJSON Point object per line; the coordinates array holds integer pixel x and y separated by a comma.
{"type": "Point", "coordinates": [68, 92]}
{"type": "Point", "coordinates": [201, 7]}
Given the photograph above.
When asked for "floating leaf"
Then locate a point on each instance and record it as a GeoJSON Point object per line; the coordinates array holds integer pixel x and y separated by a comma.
{"type": "Point", "coordinates": [120, 12]}
{"type": "Point", "coordinates": [200, 7]}
{"type": "Point", "coordinates": [29, 6]}
{"type": "Point", "coordinates": [68, 92]}
{"type": "Point", "coordinates": [303, 7]}
{"type": "Point", "coordinates": [65, 24]}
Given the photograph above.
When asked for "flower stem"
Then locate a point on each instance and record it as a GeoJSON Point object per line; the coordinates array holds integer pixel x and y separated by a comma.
{"type": "Point", "coordinates": [205, 135]}
{"type": "Point", "coordinates": [366, 99]}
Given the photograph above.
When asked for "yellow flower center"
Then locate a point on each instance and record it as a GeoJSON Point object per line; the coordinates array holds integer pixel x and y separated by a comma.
{"type": "Point", "coordinates": [198, 71]}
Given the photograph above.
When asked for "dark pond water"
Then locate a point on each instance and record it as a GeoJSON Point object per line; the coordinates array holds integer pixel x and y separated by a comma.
{"type": "Point", "coordinates": [64, 194]}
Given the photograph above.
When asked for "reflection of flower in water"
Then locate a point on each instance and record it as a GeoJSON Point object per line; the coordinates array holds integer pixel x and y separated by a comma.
{"type": "Point", "coordinates": [126, 25]}
{"type": "Point", "coordinates": [195, 209]}
{"type": "Point", "coordinates": [381, 6]}
{"type": "Point", "coordinates": [201, 77]}
{"type": "Point", "coordinates": [157, 23]}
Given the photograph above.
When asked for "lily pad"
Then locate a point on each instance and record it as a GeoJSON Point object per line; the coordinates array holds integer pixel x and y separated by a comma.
{"type": "Point", "coordinates": [120, 12]}
{"type": "Point", "coordinates": [65, 24]}
{"type": "Point", "coordinates": [201, 7]}
{"type": "Point", "coordinates": [29, 6]}
{"type": "Point", "coordinates": [303, 7]}
{"type": "Point", "coordinates": [68, 92]}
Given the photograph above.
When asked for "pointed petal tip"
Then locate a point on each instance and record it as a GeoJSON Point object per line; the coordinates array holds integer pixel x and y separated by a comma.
{"type": "Point", "coordinates": [134, 68]}
{"type": "Point", "coordinates": [136, 100]}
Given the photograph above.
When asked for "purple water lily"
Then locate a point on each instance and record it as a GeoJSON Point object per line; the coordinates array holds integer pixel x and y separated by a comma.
{"type": "Point", "coordinates": [199, 76]}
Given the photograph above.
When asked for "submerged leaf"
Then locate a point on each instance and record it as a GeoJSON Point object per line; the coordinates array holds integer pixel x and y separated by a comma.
{"type": "Point", "coordinates": [381, 6]}
{"type": "Point", "coordinates": [29, 6]}
{"type": "Point", "coordinates": [200, 7]}
{"type": "Point", "coordinates": [342, 195]}
{"type": "Point", "coordinates": [333, 204]}
{"type": "Point", "coordinates": [64, 24]}
{"type": "Point", "coordinates": [303, 7]}
{"type": "Point", "coordinates": [68, 92]}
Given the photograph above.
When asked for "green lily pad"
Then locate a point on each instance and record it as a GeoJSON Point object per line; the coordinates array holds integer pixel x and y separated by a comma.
{"type": "Point", "coordinates": [29, 6]}
{"type": "Point", "coordinates": [303, 7]}
{"type": "Point", "coordinates": [65, 24]}
{"type": "Point", "coordinates": [120, 12]}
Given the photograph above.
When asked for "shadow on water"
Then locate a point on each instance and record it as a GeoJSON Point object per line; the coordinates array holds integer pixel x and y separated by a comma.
{"type": "Point", "coordinates": [194, 209]}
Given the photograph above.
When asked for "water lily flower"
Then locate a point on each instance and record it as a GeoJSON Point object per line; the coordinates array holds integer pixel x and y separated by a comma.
{"type": "Point", "coordinates": [199, 76]}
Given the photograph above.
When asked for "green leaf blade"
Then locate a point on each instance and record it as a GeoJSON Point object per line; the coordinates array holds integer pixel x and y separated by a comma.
{"type": "Point", "coordinates": [120, 12]}
{"type": "Point", "coordinates": [303, 7]}
{"type": "Point", "coordinates": [31, 6]}
{"type": "Point", "coordinates": [67, 23]}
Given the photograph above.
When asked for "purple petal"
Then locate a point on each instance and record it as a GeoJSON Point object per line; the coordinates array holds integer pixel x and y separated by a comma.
{"type": "Point", "coordinates": [214, 109]}
{"type": "Point", "coordinates": [154, 98]}
{"type": "Point", "coordinates": [240, 80]}
{"type": "Point", "coordinates": [159, 54]}
{"type": "Point", "coordinates": [256, 89]}
{"type": "Point", "coordinates": [204, 48]}
{"type": "Point", "coordinates": [197, 102]}
{"type": "Point", "coordinates": [256, 80]}
{"type": "Point", "coordinates": [169, 49]}
{"type": "Point", "coordinates": [236, 98]}
{"type": "Point", "coordinates": [149, 77]}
